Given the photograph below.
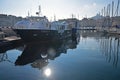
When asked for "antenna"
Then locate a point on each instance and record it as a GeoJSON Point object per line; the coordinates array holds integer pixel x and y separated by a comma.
{"type": "Point", "coordinates": [72, 16]}
{"type": "Point", "coordinates": [28, 14]}
{"type": "Point", "coordinates": [39, 11]}
{"type": "Point", "coordinates": [54, 17]}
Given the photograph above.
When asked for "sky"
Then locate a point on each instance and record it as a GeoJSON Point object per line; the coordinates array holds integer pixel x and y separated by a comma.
{"type": "Point", "coordinates": [50, 8]}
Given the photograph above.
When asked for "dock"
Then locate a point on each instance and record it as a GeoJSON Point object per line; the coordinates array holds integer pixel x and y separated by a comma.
{"type": "Point", "coordinates": [9, 43]}
{"type": "Point", "coordinates": [12, 38]}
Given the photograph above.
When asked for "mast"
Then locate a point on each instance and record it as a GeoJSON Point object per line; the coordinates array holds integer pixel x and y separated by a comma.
{"type": "Point", "coordinates": [72, 16]}
{"type": "Point", "coordinates": [117, 7]}
{"type": "Point", "coordinates": [104, 12]}
{"type": "Point", "coordinates": [39, 10]}
{"type": "Point", "coordinates": [28, 14]}
{"type": "Point", "coordinates": [109, 9]}
{"type": "Point", "coordinates": [54, 17]}
{"type": "Point", "coordinates": [112, 7]}
{"type": "Point", "coordinates": [116, 13]}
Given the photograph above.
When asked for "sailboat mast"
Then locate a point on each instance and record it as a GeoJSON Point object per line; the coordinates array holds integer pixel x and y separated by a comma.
{"type": "Point", "coordinates": [112, 8]}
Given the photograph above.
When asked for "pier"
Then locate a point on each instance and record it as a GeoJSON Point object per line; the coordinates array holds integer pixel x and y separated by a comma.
{"type": "Point", "coordinates": [8, 43]}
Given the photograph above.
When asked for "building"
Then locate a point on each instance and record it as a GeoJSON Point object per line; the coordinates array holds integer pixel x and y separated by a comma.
{"type": "Point", "coordinates": [8, 20]}
{"type": "Point", "coordinates": [73, 22]}
{"type": "Point", "coordinates": [87, 23]}
{"type": "Point", "coordinates": [116, 21]}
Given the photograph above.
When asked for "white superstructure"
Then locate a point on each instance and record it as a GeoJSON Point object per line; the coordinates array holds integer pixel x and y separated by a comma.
{"type": "Point", "coordinates": [33, 23]}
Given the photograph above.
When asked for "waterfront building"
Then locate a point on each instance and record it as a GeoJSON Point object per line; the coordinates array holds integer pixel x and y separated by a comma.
{"type": "Point", "coordinates": [8, 20]}
{"type": "Point", "coordinates": [87, 23]}
{"type": "Point", "coordinates": [73, 22]}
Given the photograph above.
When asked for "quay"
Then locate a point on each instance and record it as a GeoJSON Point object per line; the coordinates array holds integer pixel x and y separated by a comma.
{"type": "Point", "coordinates": [9, 43]}
{"type": "Point", "coordinates": [12, 38]}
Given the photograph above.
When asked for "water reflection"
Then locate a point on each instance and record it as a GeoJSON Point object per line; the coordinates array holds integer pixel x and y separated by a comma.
{"type": "Point", "coordinates": [4, 57]}
{"type": "Point", "coordinates": [109, 44]}
{"type": "Point", "coordinates": [4, 48]}
{"type": "Point", "coordinates": [36, 59]}
{"type": "Point", "coordinates": [110, 48]}
{"type": "Point", "coordinates": [47, 72]}
{"type": "Point", "coordinates": [38, 54]}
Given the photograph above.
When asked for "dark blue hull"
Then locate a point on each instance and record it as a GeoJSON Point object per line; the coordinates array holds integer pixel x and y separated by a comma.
{"type": "Point", "coordinates": [35, 35]}
{"type": "Point", "coordinates": [28, 35]}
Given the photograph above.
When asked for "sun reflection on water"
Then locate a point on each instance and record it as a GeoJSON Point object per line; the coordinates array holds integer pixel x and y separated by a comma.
{"type": "Point", "coordinates": [47, 72]}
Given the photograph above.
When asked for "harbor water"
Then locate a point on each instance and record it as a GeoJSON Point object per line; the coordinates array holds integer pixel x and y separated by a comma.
{"type": "Point", "coordinates": [88, 55]}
